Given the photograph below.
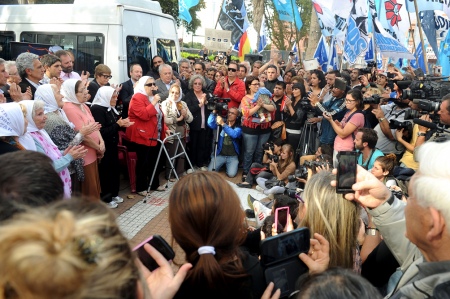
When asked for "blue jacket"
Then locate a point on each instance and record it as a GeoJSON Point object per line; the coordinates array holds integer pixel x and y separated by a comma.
{"type": "Point", "coordinates": [337, 108]}
{"type": "Point", "coordinates": [235, 133]}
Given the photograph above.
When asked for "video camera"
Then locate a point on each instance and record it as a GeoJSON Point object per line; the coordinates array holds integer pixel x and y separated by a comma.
{"type": "Point", "coordinates": [374, 99]}
{"type": "Point", "coordinates": [426, 89]}
{"type": "Point", "coordinates": [300, 173]}
{"type": "Point", "coordinates": [216, 103]}
{"type": "Point", "coordinates": [368, 69]}
{"type": "Point", "coordinates": [397, 125]}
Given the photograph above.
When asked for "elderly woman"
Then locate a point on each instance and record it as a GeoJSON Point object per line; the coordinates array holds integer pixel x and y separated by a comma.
{"type": "Point", "coordinates": [61, 130]}
{"type": "Point", "coordinates": [13, 124]}
{"type": "Point", "coordinates": [176, 116]}
{"type": "Point", "coordinates": [101, 78]}
{"type": "Point", "coordinates": [103, 110]}
{"type": "Point", "coordinates": [147, 116]}
{"type": "Point", "coordinates": [75, 95]}
{"type": "Point", "coordinates": [196, 102]}
{"type": "Point", "coordinates": [43, 143]}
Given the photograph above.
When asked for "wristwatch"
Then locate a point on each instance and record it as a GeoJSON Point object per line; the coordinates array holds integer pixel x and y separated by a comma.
{"type": "Point", "coordinates": [371, 231]}
{"type": "Point", "coordinates": [381, 119]}
{"type": "Point", "coordinates": [421, 134]}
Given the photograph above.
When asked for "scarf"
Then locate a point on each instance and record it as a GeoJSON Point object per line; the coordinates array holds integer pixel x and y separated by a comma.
{"type": "Point", "coordinates": [103, 98]}
{"type": "Point", "coordinates": [46, 94]}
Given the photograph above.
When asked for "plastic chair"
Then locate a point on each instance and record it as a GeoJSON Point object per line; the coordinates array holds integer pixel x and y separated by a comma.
{"type": "Point", "coordinates": [128, 159]}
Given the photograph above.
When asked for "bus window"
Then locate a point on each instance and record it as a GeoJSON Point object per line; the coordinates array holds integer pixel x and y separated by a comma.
{"type": "Point", "coordinates": [5, 38]}
{"type": "Point", "coordinates": [139, 50]}
{"type": "Point", "coordinates": [167, 49]}
{"type": "Point", "coordinates": [88, 49]}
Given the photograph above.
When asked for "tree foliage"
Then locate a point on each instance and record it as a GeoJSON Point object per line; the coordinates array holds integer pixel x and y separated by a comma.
{"type": "Point", "coordinates": [284, 34]}
{"type": "Point", "coordinates": [171, 7]}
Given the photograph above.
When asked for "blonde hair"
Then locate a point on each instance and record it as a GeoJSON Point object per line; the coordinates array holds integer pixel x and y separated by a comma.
{"type": "Point", "coordinates": [330, 215]}
{"type": "Point", "coordinates": [73, 249]}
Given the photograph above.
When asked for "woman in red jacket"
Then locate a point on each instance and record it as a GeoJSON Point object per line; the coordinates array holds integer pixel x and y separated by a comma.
{"type": "Point", "coordinates": [145, 112]}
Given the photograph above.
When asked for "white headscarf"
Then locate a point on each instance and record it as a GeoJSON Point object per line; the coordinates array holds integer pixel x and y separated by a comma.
{"type": "Point", "coordinates": [46, 94]}
{"type": "Point", "coordinates": [69, 92]}
{"type": "Point", "coordinates": [140, 86]}
{"type": "Point", "coordinates": [173, 102]}
{"type": "Point", "coordinates": [103, 98]}
{"type": "Point", "coordinates": [12, 122]}
{"type": "Point", "coordinates": [32, 125]}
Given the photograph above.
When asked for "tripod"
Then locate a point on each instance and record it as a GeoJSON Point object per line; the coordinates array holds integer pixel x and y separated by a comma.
{"type": "Point", "coordinates": [304, 145]}
{"type": "Point", "coordinates": [176, 138]}
{"type": "Point", "coordinates": [216, 142]}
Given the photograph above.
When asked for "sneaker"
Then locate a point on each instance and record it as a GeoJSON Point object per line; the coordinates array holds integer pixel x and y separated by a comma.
{"type": "Point", "coordinates": [189, 171]}
{"type": "Point", "coordinates": [117, 199]}
{"type": "Point", "coordinates": [250, 200]}
{"type": "Point", "coordinates": [259, 188]}
{"type": "Point", "coordinates": [204, 168]}
{"type": "Point", "coordinates": [249, 213]}
{"type": "Point", "coordinates": [161, 188]}
{"type": "Point", "coordinates": [244, 185]}
{"type": "Point", "coordinates": [112, 204]}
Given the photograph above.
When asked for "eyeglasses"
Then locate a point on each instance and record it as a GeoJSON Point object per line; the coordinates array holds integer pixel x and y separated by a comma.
{"type": "Point", "coordinates": [198, 83]}
{"type": "Point", "coordinates": [106, 76]}
{"type": "Point", "coordinates": [229, 112]}
{"type": "Point", "coordinates": [349, 101]}
{"type": "Point", "coordinates": [231, 70]}
{"type": "Point", "coordinates": [150, 84]}
{"type": "Point", "coordinates": [255, 84]}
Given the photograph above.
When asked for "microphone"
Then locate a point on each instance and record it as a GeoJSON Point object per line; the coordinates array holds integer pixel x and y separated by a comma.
{"type": "Point", "coordinates": [425, 123]}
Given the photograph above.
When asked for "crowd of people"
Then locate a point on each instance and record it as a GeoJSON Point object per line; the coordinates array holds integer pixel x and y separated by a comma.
{"type": "Point", "coordinates": [282, 124]}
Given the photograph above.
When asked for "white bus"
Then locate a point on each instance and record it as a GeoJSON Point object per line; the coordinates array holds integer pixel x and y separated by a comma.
{"type": "Point", "coordinates": [112, 32]}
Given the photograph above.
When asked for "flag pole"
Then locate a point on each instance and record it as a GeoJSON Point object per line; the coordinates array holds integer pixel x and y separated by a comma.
{"type": "Point", "coordinates": [421, 37]}
{"type": "Point", "coordinates": [218, 17]}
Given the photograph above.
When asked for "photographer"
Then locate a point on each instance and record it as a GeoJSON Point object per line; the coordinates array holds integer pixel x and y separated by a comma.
{"type": "Point", "coordinates": [444, 118]}
{"type": "Point", "coordinates": [231, 86]}
{"type": "Point", "coordinates": [365, 141]}
{"type": "Point", "coordinates": [228, 143]}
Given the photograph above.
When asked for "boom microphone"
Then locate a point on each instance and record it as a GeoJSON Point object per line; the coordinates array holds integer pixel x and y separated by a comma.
{"type": "Point", "coordinates": [425, 123]}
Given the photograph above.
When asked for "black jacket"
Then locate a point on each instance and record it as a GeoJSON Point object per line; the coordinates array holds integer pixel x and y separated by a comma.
{"type": "Point", "coordinates": [192, 103]}
{"type": "Point", "coordinates": [24, 85]}
{"type": "Point", "coordinates": [125, 95]}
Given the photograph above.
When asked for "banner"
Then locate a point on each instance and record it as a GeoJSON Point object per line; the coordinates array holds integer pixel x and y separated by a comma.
{"type": "Point", "coordinates": [357, 39]}
{"type": "Point", "coordinates": [444, 55]}
{"type": "Point", "coordinates": [321, 54]}
{"type": "Point", "coordinates": [370, 54]}
{"type": "Point", "coordinates": [416, 63]}
{"type": "Point", "coordinates": [325, 17]}
{"type": "Point", "coordinates": [429, 28]}
{"type": "Point", "coordinates": [183, 9]}
{"type": "Point", "coordinates": [333, 59]}
{"type": "Point", "coordinates": [393, 16]}
{"type": "Point", "coordinates": [233, 17]}
{"type": "Point", "coordinates": [442, 23]}
{"type": "Point", "coordinates": [217, 40]}
{"type": "Point", "coordinates": [422, 5]}
{"type": "Point", "coordinates": [342, 10]}
{"type": "Point", "coordinates": [284, 10]}
{"type": "Point", "coordinates": [386, 44]}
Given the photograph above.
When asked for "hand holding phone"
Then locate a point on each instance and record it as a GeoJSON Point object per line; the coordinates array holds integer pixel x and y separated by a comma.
{"type": "Point", "coordinates": [281, 219]}
{"type": "Point", "coordinates": [160, 245]}
{"type": "Point", "coordinates": [346, 171]}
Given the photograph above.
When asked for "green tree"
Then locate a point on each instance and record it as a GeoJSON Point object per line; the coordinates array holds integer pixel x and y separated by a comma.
{"type": "Point", "coordinates": [171, 7]}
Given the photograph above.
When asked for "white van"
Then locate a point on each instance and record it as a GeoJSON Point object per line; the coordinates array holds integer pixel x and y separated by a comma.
{"type": "Point", "coordinates": [112, 32]}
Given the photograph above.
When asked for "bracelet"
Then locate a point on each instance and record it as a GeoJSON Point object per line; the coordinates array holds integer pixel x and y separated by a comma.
{"type": "Point", "coordinates": [370, 231]}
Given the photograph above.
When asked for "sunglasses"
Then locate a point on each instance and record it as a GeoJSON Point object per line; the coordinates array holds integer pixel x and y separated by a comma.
{"type": "Point", "coordinates": [106, 76]}
{"type": "Point", "coordinates": [150, 84]}
{"type": "Point", "coordinates": [232, 70]}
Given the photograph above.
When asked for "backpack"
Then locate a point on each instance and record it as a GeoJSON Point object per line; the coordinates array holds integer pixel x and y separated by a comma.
{"type": "Point", "coordinates": [366, 121]}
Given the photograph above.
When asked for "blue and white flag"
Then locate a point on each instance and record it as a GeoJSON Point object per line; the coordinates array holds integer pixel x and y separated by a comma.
{"type": "Point", "coordinates": [357, 39]}
{"type": "Point", "coordinates": [370, 54]}
{"type": "Point", "coordinates": [321, 54]}
{"type": "Point", "coordinates": [416, 63]}
{"type": "Point", "coordinates": [429, 28]}
{"type": "Point", "coordinates": [342, 10]}
{"type": "Point", "coordinates": [183, 9]}
{"type": "Point", "coordinates": [393, 16]}
{"type": "Point", "coordinates": [284, 9]}
{"type": "Point", "coordinates": [262, 36]}
{"type": "Point", "coordinates": [444, 55]}
{"type": "Point", "coordinates": [233, 17]}
{"type": "Point", "coordinates": [324, 16]}
{"type": "Point", "coordinates": [294, 49]}
{"type": "Point", "coordinates": [333, 59]}
{"type": "Point", "coordinates": [297, 18]}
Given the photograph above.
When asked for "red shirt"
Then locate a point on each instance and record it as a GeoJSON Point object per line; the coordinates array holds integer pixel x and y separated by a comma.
{"type": "Point", "coordinates": [235, 93]}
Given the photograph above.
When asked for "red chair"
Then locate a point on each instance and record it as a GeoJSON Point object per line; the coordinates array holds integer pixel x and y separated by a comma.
{"type": "Point", "coordinates": [127, 159]}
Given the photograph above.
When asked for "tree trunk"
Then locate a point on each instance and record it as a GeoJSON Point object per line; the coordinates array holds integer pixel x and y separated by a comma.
{"type": "Point", "coordinates": [258, 12]}
{"type": "Point", "coordinates": [314, 35]}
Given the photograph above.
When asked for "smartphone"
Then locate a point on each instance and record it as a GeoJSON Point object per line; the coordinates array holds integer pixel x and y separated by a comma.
{"type": "Point", "coordinates": [279, 258]}
{"type": "Point", "coordinates": [281, 218]}
{"type": "Point", "coordinates": [346, 171]}
{"type": "Point", "coordinates": [159, 244]}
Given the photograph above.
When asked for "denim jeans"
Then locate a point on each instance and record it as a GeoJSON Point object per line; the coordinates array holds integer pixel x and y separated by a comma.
{"type": "Point", "coordinates": [253, 151]}
{"type": "Point", "coordinates": [231, 164]}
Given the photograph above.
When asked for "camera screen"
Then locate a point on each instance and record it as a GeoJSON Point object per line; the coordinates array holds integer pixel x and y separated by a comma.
{"type": "Point", "coordinates": [346, 171]}
{"type": "Point", "coordinates": [285, 245]}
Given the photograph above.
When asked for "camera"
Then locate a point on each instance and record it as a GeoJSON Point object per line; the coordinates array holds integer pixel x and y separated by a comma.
{"type": "Point", "coordinates": [314, 164]}
{"type": "Point", "coordinates": [293, 193]}
{"type": "Point", "coordinates": [291, 53]}
{"type": "Point", "coordinates": [396, 125]}
{"type": "Point", "coordinates": [390, 75]}
{"type": "Point", "coordinates": [268, 146]}
{"type": "Point", "coordinates": [426, 89]}
{"type": "Point", "coordinates": [305, 104]}
{"type": "Point", "coordinates": [374, 99]}
{"type": "Point", "coordinates": [275, 158]}
{"type": "Point", "coordinates": [216, 103]}
{"type": "Point", "coordinates": [411, 114]}
{"type": "Point", "coordinates": [300, 173]}
{"type": "Point", "coordinates": [427, 105]}
{"type": "Point", "coordinates": [371, 64]}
